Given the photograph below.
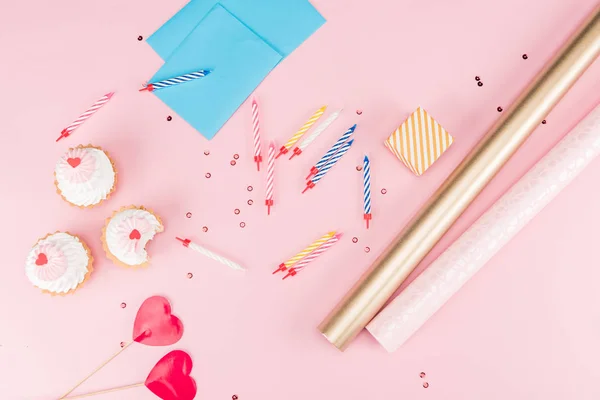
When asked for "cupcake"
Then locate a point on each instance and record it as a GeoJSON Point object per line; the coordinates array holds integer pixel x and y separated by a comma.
{"type": "Point", "coordinates": [59, 263]}
{"type": "Point", "coordinates": [126, 234]}
{"type": "Point", "coordinates": [85, 176]}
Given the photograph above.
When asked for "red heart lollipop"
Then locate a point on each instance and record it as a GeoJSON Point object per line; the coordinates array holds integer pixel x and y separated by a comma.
{"type": "Point", "coordinates": [155, 325]}
{"type": "Point", "coordinates": [170, 378]}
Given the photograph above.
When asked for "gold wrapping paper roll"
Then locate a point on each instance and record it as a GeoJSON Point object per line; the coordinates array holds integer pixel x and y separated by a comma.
{"type": "Point", "coordinates": [388, 272]}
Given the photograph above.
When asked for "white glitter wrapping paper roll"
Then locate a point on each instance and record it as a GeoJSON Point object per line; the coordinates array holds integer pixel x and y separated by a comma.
{"type": "Point", "coordinates": [480, 242]}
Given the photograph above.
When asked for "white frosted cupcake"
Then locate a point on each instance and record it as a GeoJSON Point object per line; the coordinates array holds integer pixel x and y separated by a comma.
{"type": "Point", "coordinates": [85, 176]}
{"type": "Point", "coordinates": [126, 234]}
{"type": "Point", "coordinates": [59, 263]}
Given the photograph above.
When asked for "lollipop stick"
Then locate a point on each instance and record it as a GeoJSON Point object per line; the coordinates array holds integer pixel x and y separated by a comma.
{"type": "Point", "coordinates": [97, 369]}
{"type": "Point", "coordinates": [81, 396]}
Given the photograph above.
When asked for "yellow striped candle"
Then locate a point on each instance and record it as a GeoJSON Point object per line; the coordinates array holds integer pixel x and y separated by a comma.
{"type": "Point", "coordinates": [419, 141]}
{"type": "Point", "coordinates": [307, 125]}
{"type": "Point", "coordinates": [312, 247]}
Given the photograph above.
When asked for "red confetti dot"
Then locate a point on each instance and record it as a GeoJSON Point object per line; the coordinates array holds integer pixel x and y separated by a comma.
{"type": "Point", "coordinates": [232, 162]}
{"type": "Point", "coordinates": [188, 214]}
{"type": "Point", "coordinates": [358, 112]}
{"type": "Point", "coordinates": [206, 152]}
{"type": "Point", "coordinates": [236, 211]}
{"type": "Point", "coordinates": [190, 275]}
{"type": "Point", "coordinates": [359, 167]}
{"type": "Point", "coordinates": [499, 109]}
{"type": "Point", "coordinates": [123, 305]}
{"type": "Point", "coordinates": [242, 224]}
{"type": "Point", "coordinates": [234, 397]}
{"type": "Point", "coordinates": [544, 122]}
{"type": "Point", "coordinates": [422, 375]}
{"type": "Point", "coordinates": [236, 156]}
{"type": "Point", "coordinates": [479, 83]}
{"type": "Point", "coordinates": [122, 344]}
{"type": "Point", "coordinates": [205, 229]}
{"type": "Point", "coordinates": [169, 118]}
{"type": "Point", "coordinates": [354, 240]}
{"type": "Point", "coordinates": [383, 191]}
{"type": "Point", "coordinates": [367, 249]}
{"type": "Point", "coordinates": [525, 57]}
{"type": "Point", "coordinates": [250, 202]}
{"type": "Point", "coordinates": [477, 78]}
{"type": "Point", "coordinates": [207, 175]}
{"type": "Point", "coordinates": [140, 38]}
{"type": "Point", "coordinates": [425, 385]}
{"type": "Point", "coordinates": [250, 188]}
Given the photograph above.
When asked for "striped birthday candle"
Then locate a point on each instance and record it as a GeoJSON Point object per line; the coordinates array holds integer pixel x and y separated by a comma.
{"type": "Point", "coordinates": [315, 134]}
{"type": "Point", "coordinates": [334, 149]}
{"type": "Point", "coordinates": [367, 190]}
{"type": "Point", "coordinates": [270, 177]}
{"type": "Point", "coordinates": [150, 87]}
{"type": "Point", "coordinates": [307, 125]}
{"type": "Point", "coordinates": [86, 114]}
{"type": "Point", "coordinates": [312, 256]}
{"type": "Point", "coordinates": [312, 247]}
{"type": "Point", "coordinates": [256, 134]}
{"type": "Point", "coordinates": [330, 163]}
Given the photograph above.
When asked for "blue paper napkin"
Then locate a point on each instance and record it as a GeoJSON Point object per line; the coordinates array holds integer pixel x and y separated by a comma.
{"type": "Point", "coordinates": [239, 61]}
{"type": "Point", "coordinates": [240, 40]}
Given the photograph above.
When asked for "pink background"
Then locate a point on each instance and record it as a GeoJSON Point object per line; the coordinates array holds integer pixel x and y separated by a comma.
{"type": "Point", "coordinates": [525, 327]}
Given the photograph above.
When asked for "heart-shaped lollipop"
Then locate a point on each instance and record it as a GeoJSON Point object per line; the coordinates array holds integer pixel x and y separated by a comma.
{"type": "Point", "coordinates": [155, 325]}
{"type": "Point", "coordinates": [170, 378]}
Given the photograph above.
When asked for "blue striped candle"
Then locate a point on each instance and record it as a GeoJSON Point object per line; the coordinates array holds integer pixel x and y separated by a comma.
{"type": "Point", "coordinates": [367, 189]}
{"type": "Point", "coordinates": [332, 151]}
{"type": "Point", "coordinates": [175, 81]}
{"type": "Point", "coordinates": [330, 163]}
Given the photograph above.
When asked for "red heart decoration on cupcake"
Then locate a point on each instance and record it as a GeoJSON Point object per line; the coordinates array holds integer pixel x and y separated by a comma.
{"type": "Point", "coordinates": [170, 378]}
{"type": "Point", "coordinates": [155, 325]}
{"type": "Point", "coordinates": [73, 162]}
{"type": "Point", "coordinates": [41, 259]}
{"type": "Point", "coordinates": [135, 234]}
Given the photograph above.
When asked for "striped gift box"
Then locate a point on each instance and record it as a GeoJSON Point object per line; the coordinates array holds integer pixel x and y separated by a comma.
{"type": "Point", "coordinates": [419, 141]}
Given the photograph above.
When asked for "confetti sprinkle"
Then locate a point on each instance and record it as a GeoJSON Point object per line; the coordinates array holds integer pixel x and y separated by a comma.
{"type": "Point", "coordinates": [479, 83]}
{"type": "Point", "coordinates": [250, 188]}
{"type": "Point", "coordinates": [250, 202]}
{"type": "Point", "coordinates": [206, 152]}
{"type": "Point", "coordinates": [544, 122]}
{"type": "Point", "coordinates": [122, 344]}
{"type": "Point", "coordinates": [422, 375]}
{"type": "Point", "coordinates": [190, 275]}
{"type": "Point", "coordinates": [242, 224]}
{"type": "Point", "coordinates": [188, 214]}
{"type": "Point", "coordinates": [236, 156]}
{"type": "Point", "coordinates": [236, 211]}
{"type": "Point", "coordinates": [207, 175]}
{"type": "Point", "coordinates": [425, 385]}
{"type": "Point", "coordinates": [477, 78]}
{"type": "Point", "coordinates": [140, 38]}
{"type": "Point", "coordinates": [367, 249]}
{"type": "Point", "coordinates": [383, 191]}
{"type": "Point", "coordinates": [123, 305]}
{"type": "Point", "coordinates": [205, 229]}
{"type": "Point", "coordinates": [232, 162]}
{"type": "Point", "coordinates": [354, 240]}
{"type": "Point", "coordinates": [499, 109]}
{"type": "Point", "coordinates": [169, 118]}
{"type": "Point", "coordinates": [358, 112]}
{"type": "Point", "coordinates": [525, 57]}
{"type": "Point", "coordinates": [359, 167]}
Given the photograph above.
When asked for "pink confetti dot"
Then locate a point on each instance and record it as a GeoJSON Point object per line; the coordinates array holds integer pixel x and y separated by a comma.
{"type": "Point", "coordinates": [250, 202]}
{"type": "Point", "coordinates": [207, 175]}
{"type": "Point", "coordinates": [367, 249]}
{"type": "Point", "coordinates": [425, 385]}
{"type": "Point", "coordinates": [234, 397]}
{"type": "Point", "coordinates": [188, 214]}
{"type": "Point", "coordinates": [354, 240]}
{"type": "Point", "coordinates": [250, 188]}
{"type": "Point", "coordinates": [205, 229]}
{"type": "Point", "coordinates": [236, 156]}
{"type": "Point", "coordinates": [123, 305]}
{"type": "Point", "coordinates": [358, 112]}
{"type": "Point", "coordinates": [232, 162]}
{"type": "Point", "coordinates": [359, 167]}
{"type": "Point", "coordinates": [236, 211]}
{"type": "Point", "coordinates": [190, 275]}
{"type": "Point", "coordinates": [242, 224]}
{"type": "Point", "coordinates": [206, 152]}
{"type": "Point", "coordinates": [422, 375]}
{"type": "Point", "coordinates": [383, 191]}
{"type": "Point", "coordinates": [122, 344]}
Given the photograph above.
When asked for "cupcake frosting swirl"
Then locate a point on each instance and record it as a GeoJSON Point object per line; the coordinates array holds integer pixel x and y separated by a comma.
{"type": "Point", "coordinates": [128, 232]}
{"type": "Point", "coordinates": [84, 176]}
{"type": "Point", "coordinates": [57, 263]}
